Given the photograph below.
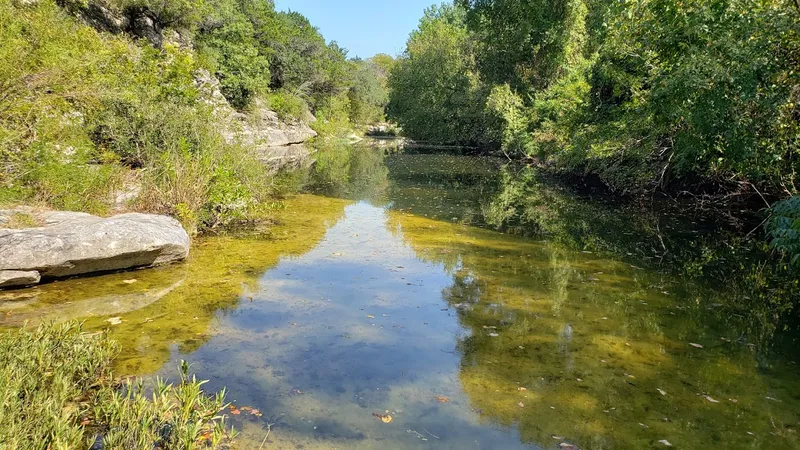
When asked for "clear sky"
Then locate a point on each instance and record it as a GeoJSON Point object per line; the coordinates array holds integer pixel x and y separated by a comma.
{"type": "Point", "coordinates": [364, 27]}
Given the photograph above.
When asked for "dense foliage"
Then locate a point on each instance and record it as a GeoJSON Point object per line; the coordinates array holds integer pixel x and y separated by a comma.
{"type": "Point", "coordinates": [639, 93]}
{"type": "Point", "coordinates": [90, 114]}
{"type": "Point", "coordinates": [58, 392]}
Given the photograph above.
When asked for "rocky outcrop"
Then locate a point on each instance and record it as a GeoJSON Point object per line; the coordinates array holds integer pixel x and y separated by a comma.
{"type": "Point", "coordinates": [137, 21]}
{"type": "Point", "coordinates": [277, 142]}
{"type": "Point", "coordinates": [72, 243]}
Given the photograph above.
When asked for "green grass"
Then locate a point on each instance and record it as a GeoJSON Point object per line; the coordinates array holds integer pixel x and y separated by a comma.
{"type": "Point", "coordinates": [57, 392]}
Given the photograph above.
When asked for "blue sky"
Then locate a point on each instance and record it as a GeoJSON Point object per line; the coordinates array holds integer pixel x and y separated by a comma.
{"type": "Point", "coordinates": [361, 26]}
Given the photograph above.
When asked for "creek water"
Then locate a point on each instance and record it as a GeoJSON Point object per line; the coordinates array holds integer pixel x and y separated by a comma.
{"type": "Point", "coordinates": [383, 293]}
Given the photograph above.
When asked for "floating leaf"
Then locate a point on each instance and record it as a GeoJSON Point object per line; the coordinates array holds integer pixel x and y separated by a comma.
{"type": "Point", "coordinates": [661, 391]}
{"type": "Point", "coordinates": [695, 345]}
{"type": "Point", "coordinates": [522, 389]}
{"type": "Point", "coordinates": [131, 281]}
{"type": "Point", "coordinates": [114, 321]}
{"type": "Point", "coordinates": [493, 335]}
{"type": "Point", "coordinates": [442, 399]}
{"type": "Point", "coordinates": [665, 442]}
{"type": "Point", "coordinates": [385, 418]}
{"type": "Point", "coordinates": [521, 405]}
{"type": "Point", "coordinates": [708, 397]}
{"type": "Point", "coordinates": [370, 316]}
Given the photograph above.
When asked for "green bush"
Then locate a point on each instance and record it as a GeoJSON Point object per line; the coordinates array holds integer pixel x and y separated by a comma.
{"type": "Point", "coordinates": [783, 228]}
{"type": "Point", "coordinates": [58, 392]}
{"type": "Point", "coordinates": [288, 106]}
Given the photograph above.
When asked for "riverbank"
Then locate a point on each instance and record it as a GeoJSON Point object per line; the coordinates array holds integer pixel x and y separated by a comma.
{"type": "Point", "coordinates": [59, 392]}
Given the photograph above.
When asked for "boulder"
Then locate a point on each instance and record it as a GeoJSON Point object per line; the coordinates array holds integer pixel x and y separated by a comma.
{"type": "Point", "coordinates": [77, 243]}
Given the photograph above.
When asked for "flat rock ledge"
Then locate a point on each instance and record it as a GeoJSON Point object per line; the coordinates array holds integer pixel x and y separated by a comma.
{"type": "Point", "coordinates": [70, 243]}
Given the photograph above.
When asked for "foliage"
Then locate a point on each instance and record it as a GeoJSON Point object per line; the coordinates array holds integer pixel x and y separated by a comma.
{"type": "Point", "coordinates": [436, 94]}
{"type": "Point", "coordinates": [783, 228]}
{"type": "Point", "coordinates": [58, 392]}
{"type": "Point", "coordinates": [368, 93]}
{"type": "Point", "coordinates": [641, 94]}
{"type": "Point", "coordinates": [287, 105]}
{"type": "Point", "coordinates": [82, 108]}
{"type": "Point", "coordinates": [227, 42]}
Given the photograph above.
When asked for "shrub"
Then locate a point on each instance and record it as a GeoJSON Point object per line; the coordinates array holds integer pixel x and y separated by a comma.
{"type": "Point", "coordinates": [57, 392]}
{"type": "Point", "coordinates": [286, 104]}
{"type": "Point", "coordinates": [783, 228]}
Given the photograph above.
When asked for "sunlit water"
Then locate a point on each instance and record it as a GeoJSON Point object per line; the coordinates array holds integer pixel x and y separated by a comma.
{"type": "Point", "coordinates": [468, 338]}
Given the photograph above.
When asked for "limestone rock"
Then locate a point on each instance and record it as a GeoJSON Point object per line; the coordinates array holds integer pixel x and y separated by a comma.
{"type": "Point", "coordinates": [78, 243]}
{"type": "Point", "coordinates": [9, 278]}
{"type": "Point", "coordinates": [275, 141]}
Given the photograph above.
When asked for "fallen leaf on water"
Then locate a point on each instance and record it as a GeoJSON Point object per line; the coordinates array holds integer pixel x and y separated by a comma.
{"type": "Point", "coordinates": [665, 442]}
{"type": "Point", "coordinates": [235, 412]}
{"type": "Point", "coordinates": [385, 418]}
{"type": "Point", "coordinates": [130, 281]}
{"type": "Point", "coordinates": [370, 316]}
{"type": "Point", "coordinates": [695, 345]}
{"type": "Point", "coordinates": [568, 446]}
{"type": "Point", "coordinates": [493, 335]}
{"type": "Point", "coordinates": [521, 405]}
{"type": "Point", "coordinates": [522, 389]}
{"type": "Point", "coordinates": [297, 391]}
{"type": "Point", "coordinates": [442, 399]}
{"type": "Point", "coordinates": [114, 321]}
{"type": "Point", "coordinates": [662, 392]}
{"type": "Point", "coordinates": [708, 397]}
{"type": "Point", "coordinates": [558, 438]}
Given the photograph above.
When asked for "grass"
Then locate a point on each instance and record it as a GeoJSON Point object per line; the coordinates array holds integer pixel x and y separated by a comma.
{"type": "Point", "coordinates": [21, 220]}
{"type": "Point", "coordinates": [57, 392]}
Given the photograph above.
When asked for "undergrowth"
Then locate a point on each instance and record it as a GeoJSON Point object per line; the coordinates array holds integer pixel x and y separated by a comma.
{"type": "Point", "coordinates": [57, 391]}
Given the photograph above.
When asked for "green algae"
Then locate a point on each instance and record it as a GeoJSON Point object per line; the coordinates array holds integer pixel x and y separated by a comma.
{"type": "Point", "coordinates": [176, 305]}
{"type": "Point", "coordinates": [345, 309]}
{"type": "Point", "coordinates": [593, 342]}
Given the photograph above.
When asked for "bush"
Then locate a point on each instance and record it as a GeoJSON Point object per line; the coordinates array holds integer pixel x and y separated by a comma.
{"type": "Point", "coordinates": [288, 106]}
{"type": "Point", "coordinates": [58, 392]}
{"type": "Point", "coordinates": [783, 228]}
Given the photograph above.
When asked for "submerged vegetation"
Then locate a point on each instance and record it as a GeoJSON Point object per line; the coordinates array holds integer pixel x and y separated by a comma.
{"type": "Point", "coordinates": [58, 392]}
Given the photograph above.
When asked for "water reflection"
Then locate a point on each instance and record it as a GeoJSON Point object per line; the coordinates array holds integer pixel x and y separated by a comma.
{"type": "Point", "coordinates": [407, 303]}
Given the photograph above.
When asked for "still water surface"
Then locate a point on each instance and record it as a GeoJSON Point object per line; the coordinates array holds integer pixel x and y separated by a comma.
{"type": "Point", "coordinates": [394, 299]}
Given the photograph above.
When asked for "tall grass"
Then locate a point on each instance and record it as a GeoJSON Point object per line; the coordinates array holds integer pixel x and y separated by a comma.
{"type": "Point", "coordinates": [57, 392]}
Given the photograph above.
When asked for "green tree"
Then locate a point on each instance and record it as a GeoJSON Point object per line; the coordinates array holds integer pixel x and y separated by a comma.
{"type": "Point", "coordinates": [436, 93]}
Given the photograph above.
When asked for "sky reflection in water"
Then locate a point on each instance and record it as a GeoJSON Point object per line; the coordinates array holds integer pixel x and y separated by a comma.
{"type": "Point", "coordinates": [352, 308]}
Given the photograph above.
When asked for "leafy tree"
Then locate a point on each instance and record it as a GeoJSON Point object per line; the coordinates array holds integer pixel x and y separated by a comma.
{"type": "Point", "coordinates": [436, 93]}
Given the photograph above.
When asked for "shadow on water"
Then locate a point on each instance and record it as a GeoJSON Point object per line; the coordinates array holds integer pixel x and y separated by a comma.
{"type": "Point", "coordinates": [404, 300]}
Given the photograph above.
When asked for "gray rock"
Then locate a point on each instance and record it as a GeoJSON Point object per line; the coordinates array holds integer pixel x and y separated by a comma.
{"type": "Point", "coordinates": [77, 243]}
{"type": "Point", "coordinates": [277, 142]}
{"type": "Point", "coordinates": [12, 278]}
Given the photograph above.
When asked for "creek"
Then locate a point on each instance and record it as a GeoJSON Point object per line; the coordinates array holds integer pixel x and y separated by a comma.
{"type": "Point", "coordinates": [383, 291]}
